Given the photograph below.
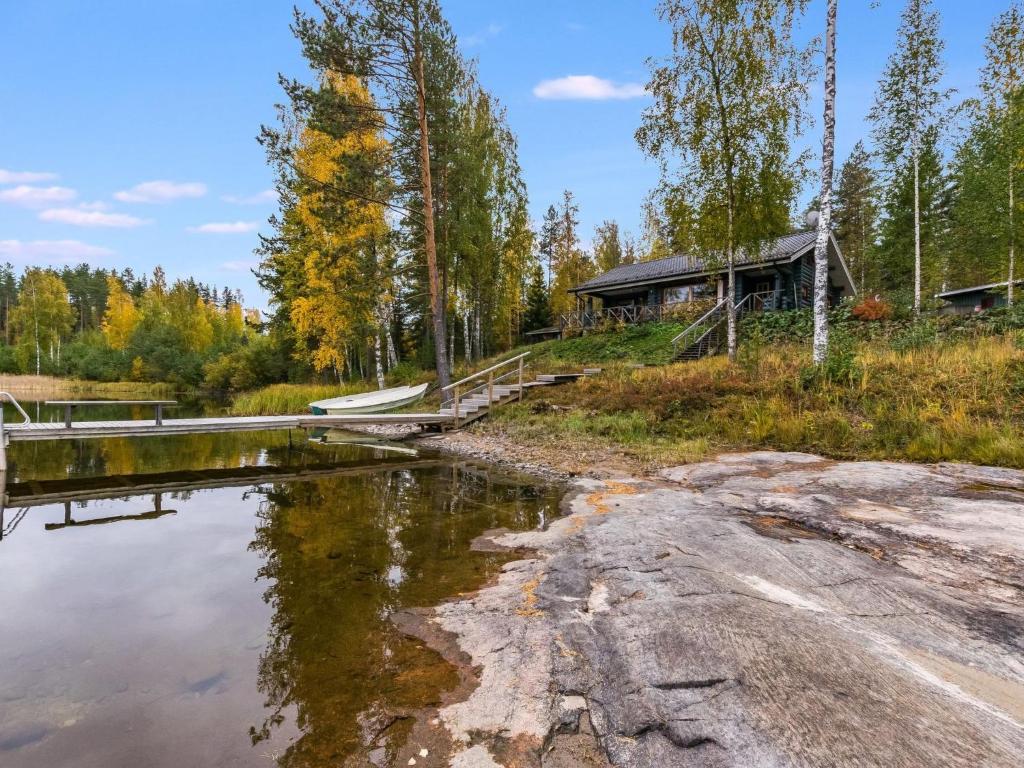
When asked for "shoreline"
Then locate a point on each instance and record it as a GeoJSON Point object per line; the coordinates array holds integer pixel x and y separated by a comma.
{"type": "Point", "coordinates": [752, 573]}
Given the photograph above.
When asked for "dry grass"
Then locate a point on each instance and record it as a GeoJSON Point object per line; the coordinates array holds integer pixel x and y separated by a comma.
{"type": "Point", "coordinates": [956, 402]}
{"type": "Point", "coordinates": [51, 385]}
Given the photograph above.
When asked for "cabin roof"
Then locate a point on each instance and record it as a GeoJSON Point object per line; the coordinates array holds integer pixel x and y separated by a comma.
{"type": "Point", "coordinates": [680, 265]}
{"type": "Point", "coordinates": [976, 289]}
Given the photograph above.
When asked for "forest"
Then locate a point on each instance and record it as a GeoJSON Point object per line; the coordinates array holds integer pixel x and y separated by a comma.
{"type": "Point", "coordinates": [403, 239]}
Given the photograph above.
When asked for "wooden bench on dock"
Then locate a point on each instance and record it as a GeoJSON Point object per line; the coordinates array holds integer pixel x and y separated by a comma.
{"type": "Point", "coordinates": [70, 405]}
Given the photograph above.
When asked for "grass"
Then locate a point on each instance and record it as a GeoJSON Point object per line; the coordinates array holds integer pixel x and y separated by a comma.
{"type": "Point", "coordinates": [286, 398]}
{"type": "Point", "coordinates": [51, 385]}
{"type": "Point", "coordinates": [951, 402]}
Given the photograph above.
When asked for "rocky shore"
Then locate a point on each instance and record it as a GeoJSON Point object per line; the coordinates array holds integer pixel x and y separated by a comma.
{"type": "Point", "coordinates": [762, 609]}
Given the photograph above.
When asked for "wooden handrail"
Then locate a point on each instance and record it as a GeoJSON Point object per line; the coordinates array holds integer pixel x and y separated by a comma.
{"type": "Point", "coordinates": [485, 370]}
{"type": "Point", "coordinates": [703, 317]}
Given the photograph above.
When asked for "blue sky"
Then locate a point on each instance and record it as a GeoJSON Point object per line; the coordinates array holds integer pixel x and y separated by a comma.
{"type": "Point", "coordinates": [127, 131]}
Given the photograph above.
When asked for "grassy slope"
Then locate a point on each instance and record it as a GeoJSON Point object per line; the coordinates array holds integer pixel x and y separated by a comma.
{"type": "Point", "coordinates": [954, 400]}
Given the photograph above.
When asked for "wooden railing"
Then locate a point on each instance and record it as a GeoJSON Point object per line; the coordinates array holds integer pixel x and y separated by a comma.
{"type": "Point", "coordinates": [717, 315]}
{"type": "Point", "coordinates": [699, 328]}
{"type": "Point", "coordinates": [632, 314]}
{"type": "Point", "coordinates": [457, 387]}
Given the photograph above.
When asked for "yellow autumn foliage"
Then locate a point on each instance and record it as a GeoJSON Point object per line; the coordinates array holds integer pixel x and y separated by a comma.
{"type": "Point", "coordinates": [336, 302]}
{"type": "Point", "coordinates": [121, 315]}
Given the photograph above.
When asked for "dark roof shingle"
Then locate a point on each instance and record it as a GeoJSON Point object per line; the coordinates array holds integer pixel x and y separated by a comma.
{"type": "Point", "coordinates": [678, 266]}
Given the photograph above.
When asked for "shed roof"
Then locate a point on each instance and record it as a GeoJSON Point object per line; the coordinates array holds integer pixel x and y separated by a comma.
{"type": "Point", "coordinates": [783, 248]}
{"type": "Point", "coordinates": [976, 289]}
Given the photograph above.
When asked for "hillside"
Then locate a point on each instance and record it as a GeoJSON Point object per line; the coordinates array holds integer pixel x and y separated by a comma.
{"type": "Point", "coordinates": [929, 390]}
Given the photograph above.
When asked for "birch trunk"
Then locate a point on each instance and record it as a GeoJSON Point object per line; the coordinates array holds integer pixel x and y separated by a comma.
{"type": "Point", "coordinates": [1013, 238]}
{"type": "Point", "coordinates": [730, 306]}
{"type": "Point", "coordinates": [828, 147]}
{"type": "Point", "coordinates": [917, 228]}
{"type": "Point", "coordinates": [378, 362]}
{"type": "Point", "coordinates": [466, 337]}
{"type": "Point", "coordinates": [429, 244]}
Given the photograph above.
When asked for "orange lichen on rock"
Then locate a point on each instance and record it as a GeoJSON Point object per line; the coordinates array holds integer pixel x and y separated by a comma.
{"type": "Point", "coordinates": [529, 606]}
{"type": "Point", "coordinates": [597, 499]}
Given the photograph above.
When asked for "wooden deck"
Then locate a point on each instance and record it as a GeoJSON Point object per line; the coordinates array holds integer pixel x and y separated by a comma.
{"type": "Point", "coordinates": [150, 428]}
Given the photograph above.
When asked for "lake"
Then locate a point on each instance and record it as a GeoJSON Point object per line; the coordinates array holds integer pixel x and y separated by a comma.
{"type": "Point", "coordinates": [237, 618]}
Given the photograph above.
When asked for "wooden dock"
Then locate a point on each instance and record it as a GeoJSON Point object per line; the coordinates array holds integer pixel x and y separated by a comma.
{"type": "Point", "coordinates": [151, 428]}
{"type": "Point", "coordinates": [466, 400]}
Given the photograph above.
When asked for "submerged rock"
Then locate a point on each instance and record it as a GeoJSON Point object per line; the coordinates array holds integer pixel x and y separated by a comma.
{"type": "Point", "coordinates": [763, 609]}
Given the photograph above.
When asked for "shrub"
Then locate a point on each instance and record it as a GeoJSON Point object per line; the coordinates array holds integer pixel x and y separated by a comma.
{"type": "Point", "coordinates": [872, 309]}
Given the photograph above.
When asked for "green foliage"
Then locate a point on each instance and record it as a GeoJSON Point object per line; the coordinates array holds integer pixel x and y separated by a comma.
{"type": "Point", "coordinates": [259, 362]}
{"type": "Point", "coordinates": [650, 343]}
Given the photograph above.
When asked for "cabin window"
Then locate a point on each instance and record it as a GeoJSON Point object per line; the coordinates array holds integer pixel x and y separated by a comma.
{"type": "Point", "coordinates": [701, 290]}
{"type": "Point", "coordinates": [676, 294]}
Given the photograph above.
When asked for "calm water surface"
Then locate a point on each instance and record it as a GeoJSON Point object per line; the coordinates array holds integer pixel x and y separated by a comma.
{"type": "Point", "coordinates": [240, 624]}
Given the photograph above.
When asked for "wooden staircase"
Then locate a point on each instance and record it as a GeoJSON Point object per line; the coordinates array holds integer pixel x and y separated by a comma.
{"type": "Point", "coordinates": [494, 387]}
{"type": "Point", "coordinates": [707, 336]}
{"type": "Point", "coordinates": [704, 337]}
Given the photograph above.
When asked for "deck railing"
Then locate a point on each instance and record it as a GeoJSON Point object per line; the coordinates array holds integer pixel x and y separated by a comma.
{"type": "Point", "coordinates": [633, 314]}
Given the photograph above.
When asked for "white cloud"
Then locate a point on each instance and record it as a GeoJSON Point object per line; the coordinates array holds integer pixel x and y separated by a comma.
{"type": "Point", "coordinates": [481, 36]}
{"type": "Point", "coordinates": [84, 217]}
{"type": "Point", "coordinates": [96, 205]}
{"type": "Point", "coordinates": [35, 196]}
{"type": "Point", "coordinates": [226, 227]}
{"type": "Point", "coordinates": [34, 250]}
{"type": "Point", "coordinates": [160, 191]}
{"type": "Point", "coordinates": [266, 196]}
{"type": "Point", "coordinates": [240, 265]}
{"type": "Point", "coordinates": [24, 177]}
{"type": "Point", "coordinates": [587, 87]}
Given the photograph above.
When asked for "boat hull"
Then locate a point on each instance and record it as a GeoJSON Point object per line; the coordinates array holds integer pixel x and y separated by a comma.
{"type": "Point", "coordinates": [369, 402]}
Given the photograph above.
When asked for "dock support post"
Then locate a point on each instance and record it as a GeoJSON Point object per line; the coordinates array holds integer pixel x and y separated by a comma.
{"type": "Point", "coordinates": [3, 445]}
{"type": "Point", "coordinates": [3, 470]}
{"type": "Point", "coordinates": [455, 404]}
{"type": "Point", "coordinates": [490, 390]}
{"type": "Point", "coordinates": [520, 378]}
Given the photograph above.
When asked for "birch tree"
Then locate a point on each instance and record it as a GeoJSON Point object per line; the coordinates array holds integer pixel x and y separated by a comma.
{"type": "Point", "coordinates": [727, 101]}
{"type": "Point", "coordinates": [910, 104]}
{"type": "Point", "coordinates": [828, 153]}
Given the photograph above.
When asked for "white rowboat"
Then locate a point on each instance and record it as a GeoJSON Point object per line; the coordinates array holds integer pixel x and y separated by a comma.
{"type": "Point", "coordinates": [369, 402]}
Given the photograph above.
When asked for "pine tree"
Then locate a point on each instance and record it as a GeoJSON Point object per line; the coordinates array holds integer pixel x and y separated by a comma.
{"type": "Point", "coordinates": [909, 110]}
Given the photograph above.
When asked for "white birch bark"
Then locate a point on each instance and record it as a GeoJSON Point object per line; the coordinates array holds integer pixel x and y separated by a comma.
{"type": "Point", "coordinates": [917, 227]}
{"type": "Point", "coordinates": [467, 339]}
{"type": "Point", "coordinates": [730, 306]}
{"type": "Point", "coordinates": [378, 362]}
{"type": "Point", "coordinates": [828, 147]}
{"type": "Point", "coordinates": [1013, 238]}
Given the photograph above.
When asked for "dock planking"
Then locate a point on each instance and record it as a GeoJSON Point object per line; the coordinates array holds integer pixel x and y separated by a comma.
{"type": "Point", "coordinates": [150, 427]}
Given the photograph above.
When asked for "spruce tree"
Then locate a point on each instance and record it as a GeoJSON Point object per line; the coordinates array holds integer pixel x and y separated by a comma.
{"type": "Point", "coordinates": [856, 216]}
{"type": "Point", "coordinates": [538, 306]}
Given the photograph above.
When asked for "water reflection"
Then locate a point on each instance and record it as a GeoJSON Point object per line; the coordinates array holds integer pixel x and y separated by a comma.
{"type": "Point", "coordinates": [251, 625]}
